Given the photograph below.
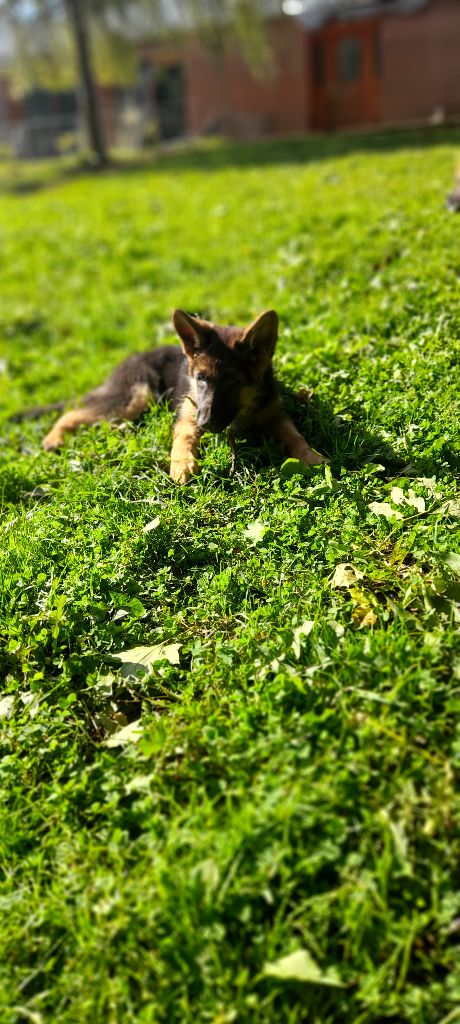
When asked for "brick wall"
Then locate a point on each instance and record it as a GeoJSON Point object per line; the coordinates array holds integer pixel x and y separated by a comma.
{"type": "Point", "coordinates": [421, 63]}
{"type": "Point", "coordinates": [248, 103]}
{"type": "Point", "coordinates": [420, 74]}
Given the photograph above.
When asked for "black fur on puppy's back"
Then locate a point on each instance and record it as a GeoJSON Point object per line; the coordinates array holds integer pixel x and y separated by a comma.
{"type": "Point", "coordinates": [163, 371]}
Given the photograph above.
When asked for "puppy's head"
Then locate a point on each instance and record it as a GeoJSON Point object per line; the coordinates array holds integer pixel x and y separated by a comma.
{"type": "Point", "coordinates": [226, 364]}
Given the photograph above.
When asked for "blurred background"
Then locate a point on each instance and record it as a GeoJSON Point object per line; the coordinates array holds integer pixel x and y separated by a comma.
{"type": "Point", "coordinates": [94, 76]}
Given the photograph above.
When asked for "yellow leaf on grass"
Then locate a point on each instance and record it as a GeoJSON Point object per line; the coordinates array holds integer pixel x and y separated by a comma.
{"type": "Point", "coordinates": [300, 966]}
{"type": "Point", "coordinates": [129, 734]}
{"type": "Point", "coordinates": [299, 632]}
{"type": "Point", "coordinates": [152, 525]}
{"type": "Point", "coordinates": [416, 501]}
{"type": "Point", "coordinates": [345, 575]}
{"type": "Point", "coordinates": [363, 612]}
{"type": "Point", "coordinates": [363, 616]}
{"type": "Point", "coordinates": [6, 706]}
{"type": "Point", "coordinates": [397, 495]}
{"type": "Point", "coordinates": [383, 508]}
{"type": "Point", "coordinates": [255, 531]}
{"type": "Point", "coordinates": [139, 660]}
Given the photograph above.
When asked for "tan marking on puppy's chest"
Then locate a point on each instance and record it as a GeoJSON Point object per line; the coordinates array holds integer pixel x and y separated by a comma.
{"type": "Point", "coordinates": [247, 414]}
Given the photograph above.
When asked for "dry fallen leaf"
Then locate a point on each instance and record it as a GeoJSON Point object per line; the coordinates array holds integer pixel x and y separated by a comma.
{"type": "Point", "coordinates": [397, 495]}
{"type": "Point", "coordinates": [345, 575]}
{"type": "Point", "coordinates": [363, 615]}
{"type": "Point", "coordinates": [141, 659]}
{"type": "Point", "coordinates": [453, 561]}
{"type": "Point", "coordinates": [129, 734]}
{"type": "Point", "coordinates": [383, 508]}
{"type": "Point", "coordinates": [6, 706]}
{"type": "Point", "coordinates": [300, 631]}
{"type": "Point", "coordinates": [255, 531]}
{"type": "Point", "coordinates": [300, 966]}
{"type": "Point", "coordinates": [363, 608]}
{"type": "Point", "coordinates": [154, 523]}
{"type": "Point", "coordinates": [416, 501]}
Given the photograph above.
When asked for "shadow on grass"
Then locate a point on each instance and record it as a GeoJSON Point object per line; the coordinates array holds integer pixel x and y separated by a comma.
{"type": "Point", "coordinates": [348, 444]}
{"type": "Point", "coordinates": [214, 154]}
{"type": "Point", "coordinates": [211, 154]}
{"type": "Point", "coordinates": [351, 444]}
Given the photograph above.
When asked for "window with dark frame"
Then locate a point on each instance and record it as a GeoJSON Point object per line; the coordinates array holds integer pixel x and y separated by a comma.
{"type": "Point", "coordinates": [349, 59]}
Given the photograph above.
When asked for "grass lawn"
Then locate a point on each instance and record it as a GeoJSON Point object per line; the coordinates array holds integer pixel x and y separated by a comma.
{"type": "Point", "coordinates": [263, 826]}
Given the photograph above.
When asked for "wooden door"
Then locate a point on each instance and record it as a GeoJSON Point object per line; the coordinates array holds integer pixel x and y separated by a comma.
{"type": "Point", "coordinates": [345, 74]}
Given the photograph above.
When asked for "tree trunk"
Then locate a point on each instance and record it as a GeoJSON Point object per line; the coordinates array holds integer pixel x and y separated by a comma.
{"type": "Point", "coordinates": [77, 12]}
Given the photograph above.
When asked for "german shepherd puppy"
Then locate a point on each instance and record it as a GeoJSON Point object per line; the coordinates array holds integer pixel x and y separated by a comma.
{"type": "Point", "coordinates": [219, 377]}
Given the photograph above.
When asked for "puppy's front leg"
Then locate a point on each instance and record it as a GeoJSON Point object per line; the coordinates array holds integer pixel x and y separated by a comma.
{"type": "Point", "coordinates": [186, 440]}
{"type": "Point", "coordinates": [283, 429]}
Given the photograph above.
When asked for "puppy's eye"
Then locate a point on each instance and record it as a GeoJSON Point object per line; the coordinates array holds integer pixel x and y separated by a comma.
{"type": "Point", "coordinates": [201, 377]}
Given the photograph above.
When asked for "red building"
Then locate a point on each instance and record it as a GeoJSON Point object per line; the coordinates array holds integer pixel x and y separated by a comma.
{"type": "Point", "coordinates": [335, 64]}
{"type": "Point", "coordinates": [331, 65]}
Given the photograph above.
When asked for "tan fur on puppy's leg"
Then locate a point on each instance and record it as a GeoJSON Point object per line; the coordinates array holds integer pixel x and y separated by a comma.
{"type": "Point", "coordinates": [283, 429]}
{"type": "Point", "coordinates": [67, 423]}
{"type": "Point", "coordinates": [186, 440]}
{"type": "Point", "coordinates": [138, 403]}
{"type": "Point", "coordinates": [141, 396]}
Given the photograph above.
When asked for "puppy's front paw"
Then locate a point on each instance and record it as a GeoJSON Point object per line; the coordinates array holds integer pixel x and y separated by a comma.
{"type": "Point", "coordinates": [309, 457]}
{"type": "Point", "coordinates": [181, 469]}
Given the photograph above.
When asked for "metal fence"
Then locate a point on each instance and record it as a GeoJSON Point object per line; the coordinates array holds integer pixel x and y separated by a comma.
{"type": "Point", "coordinates": [40, 136]}
{"type": "Point", "coordinates": [127, 126]}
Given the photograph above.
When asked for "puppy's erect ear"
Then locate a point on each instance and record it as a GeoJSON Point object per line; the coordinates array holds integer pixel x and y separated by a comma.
{"type": "Point", "coordinates": [191, 331]}
{"type": "Point", "coordinates": [261, 336]}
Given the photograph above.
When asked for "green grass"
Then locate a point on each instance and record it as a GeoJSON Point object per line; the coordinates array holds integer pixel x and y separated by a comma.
{"type": "Point", "coordinates": [293, 783]}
